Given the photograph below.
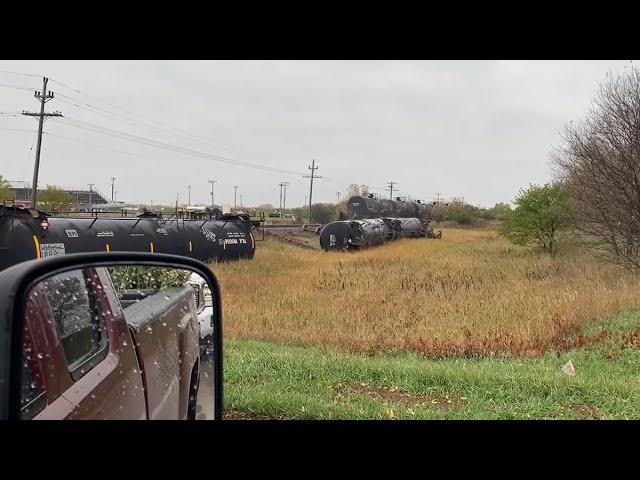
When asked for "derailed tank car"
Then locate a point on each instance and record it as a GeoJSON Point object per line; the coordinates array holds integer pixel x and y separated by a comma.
{"type": "Point", "coordinates": [353, 234]}
{"type": "Point", "coordinates": [26, 234]}
{"type": "Point", "coordinates": [357, 234]}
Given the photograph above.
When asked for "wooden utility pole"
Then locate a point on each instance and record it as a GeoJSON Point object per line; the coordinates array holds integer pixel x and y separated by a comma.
{"type": "Point", "coordinates": [90, 194]}
{"type": "Point", "coordinates": [283, 197]}
{"type": "Point", "coordinates": [235, 195]}
{"type": "Point", "coordinates": [189, 188]}
{"type": "Point", "coordinates": [313, 168]}
{"type": "Point", "coordinates": [391, 184]}
{"type": "Point", "coordinates": [113, 184]}
{"type": "Point", "coordinates": [44, 97]}
{"type": "Point", "coordinates": [212, 182]}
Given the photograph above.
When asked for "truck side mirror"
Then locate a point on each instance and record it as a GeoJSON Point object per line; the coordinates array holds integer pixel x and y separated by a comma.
{"type": "Point", "coordinates": [110, 336]}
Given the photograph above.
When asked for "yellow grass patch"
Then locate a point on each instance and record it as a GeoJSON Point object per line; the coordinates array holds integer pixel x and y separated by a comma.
{"type": "Point", "coordinates": [469, 293]}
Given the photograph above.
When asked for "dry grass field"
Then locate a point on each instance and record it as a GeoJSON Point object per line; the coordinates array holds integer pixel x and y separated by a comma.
{"type": "Point", "coordinates": [469, 294]}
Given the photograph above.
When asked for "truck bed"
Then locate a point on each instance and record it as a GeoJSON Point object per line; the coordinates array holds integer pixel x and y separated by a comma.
{"type": "Point", "coordinates": [164, 328]}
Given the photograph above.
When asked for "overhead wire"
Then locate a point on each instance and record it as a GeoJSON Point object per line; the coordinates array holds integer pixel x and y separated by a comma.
{"type": "Point", "coordinates": [184, 135]}
{"type": "Point", "coordinates": [106, 113]}
{"type": "Point", "coordinates": [129, 112]}
{"type": "Point", "coordinates": [166, 146]}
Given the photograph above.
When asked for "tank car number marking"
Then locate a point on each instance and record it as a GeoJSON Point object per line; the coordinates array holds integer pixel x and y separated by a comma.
{"type": "Point", "coordinates": [71, 233]}
{"type": "Point", "coordinates": [208, 234]}
{"type": "Point", "coordinates": [105, 234]}
{"type": "Point", "coordinates": [332, 240]}
{"type": "Point", "coordinates": [235, 241]}
{"type": "Point", "coordinates": [51, 249]}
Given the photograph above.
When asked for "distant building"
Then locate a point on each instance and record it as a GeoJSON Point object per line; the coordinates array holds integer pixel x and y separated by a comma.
{"type": "Point", "coordinates": [84, 199]}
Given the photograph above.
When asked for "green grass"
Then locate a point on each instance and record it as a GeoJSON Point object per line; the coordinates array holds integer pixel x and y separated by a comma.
{"type": "Point", "coordinates": [269, 380]}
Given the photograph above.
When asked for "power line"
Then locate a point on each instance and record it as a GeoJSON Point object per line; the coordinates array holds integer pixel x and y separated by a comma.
{"type": "Point", "coordinates": [16, 87]}
{"type": "Point", "coordinates": [24, 74]}
{"type": "Point", "coordinates": [49, 134]}
{"type": "Point", "coordinates": [116, 116]}
{"type": "Point", "coordinates": [166, 146]}
{"type": "Point", "coordinates": [125, 110]}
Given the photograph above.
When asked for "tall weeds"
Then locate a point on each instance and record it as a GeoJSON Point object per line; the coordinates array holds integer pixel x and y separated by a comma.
{"type": "Point", "coordinates": [469, 294]}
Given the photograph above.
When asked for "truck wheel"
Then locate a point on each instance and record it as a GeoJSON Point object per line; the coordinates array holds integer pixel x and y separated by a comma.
{"type": "Point", "coordinates": [193, 394]}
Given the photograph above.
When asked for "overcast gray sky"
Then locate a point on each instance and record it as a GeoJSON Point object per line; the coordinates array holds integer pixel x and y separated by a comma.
{"type": "Point", "coordinates": [478, 129]}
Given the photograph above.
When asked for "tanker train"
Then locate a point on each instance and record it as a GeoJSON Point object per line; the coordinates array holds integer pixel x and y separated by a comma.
{"type": "Point", "coordinates": [359, 208]}
{"type": "Point", "coordinates": [372, 221]}
{"type": "Point", "coordinates": [357, 234]}
{"type": "Point", "coordinates": [26, 234]}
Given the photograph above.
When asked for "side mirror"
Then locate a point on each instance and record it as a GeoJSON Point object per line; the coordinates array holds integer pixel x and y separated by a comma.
{"type": "Point", "coordinates": [110, 336]}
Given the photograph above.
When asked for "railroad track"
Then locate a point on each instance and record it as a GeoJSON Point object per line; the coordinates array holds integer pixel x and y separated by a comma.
{"type": "Point", "coordinates": [282, 225]}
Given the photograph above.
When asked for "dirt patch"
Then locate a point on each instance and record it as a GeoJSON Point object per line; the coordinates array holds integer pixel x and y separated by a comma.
{"type": "Point", "coordinates": [402, 397]}
{"type": "Point", "coordinates": [587, 412]}
{"type": "Point", "coordinates": [295, 237]}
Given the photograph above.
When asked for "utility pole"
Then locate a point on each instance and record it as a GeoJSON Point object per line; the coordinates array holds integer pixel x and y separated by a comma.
{"type": "Point", "coordinates": [113, 184]}
{"type": "Point", "coordinates": [338, 197]}
{"type": "Point", "coordinates": [280, 204]}
{"type": "Point", "coordinates": [44, 97]}
{"type": "Point", "coordinates": [235, 194]}
{"type": "Point", "coordinates": [241, 200]}
{"type": "Point", "coordinates": [391, 184]}
{"type": "Point", "coordinates": [313, 168]}
{"type": "Point", "coordinates": [177, 198]}
{"type": "Point", "coordinates": [212, 182]}
{"type": "Point", "coordinates": [189, 187]}
{"type": "Point", "coordinates": [90, 194]}
{"type": "Point", "coordinates": [438, 197]}
{"type": "Point", "coordinates": [283, 196]}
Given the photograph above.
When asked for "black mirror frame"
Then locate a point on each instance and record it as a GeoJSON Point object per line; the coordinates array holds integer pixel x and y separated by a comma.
{"type": "Point", "coordinates": [20, 279]}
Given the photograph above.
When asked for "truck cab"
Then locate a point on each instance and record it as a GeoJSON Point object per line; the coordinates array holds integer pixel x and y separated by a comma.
{"type": "Point", "coordinates": [93, 350]}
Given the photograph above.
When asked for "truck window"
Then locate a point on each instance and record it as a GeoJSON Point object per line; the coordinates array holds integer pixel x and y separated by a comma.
{"type": "Point", "coordinates": [33, 397]}
{"type": "Point", "coordinates": [79, 322]}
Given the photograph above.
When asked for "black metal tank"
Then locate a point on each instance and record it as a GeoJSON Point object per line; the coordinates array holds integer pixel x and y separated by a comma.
{"type": "Point", "coordinates": [28, 234]}
{"type": "Point", "coordinates": [357, 234]}
{"type": "Point", "coordinates": [359, 208]}
{"type": "Point", "coordinates": [353, 234]}
{"type": "Point", "coordinates": [404, 209]}
{"type": "Point", "coordinates": [412, 228]}
{"type": "Point", "coordinates": [363, 207]}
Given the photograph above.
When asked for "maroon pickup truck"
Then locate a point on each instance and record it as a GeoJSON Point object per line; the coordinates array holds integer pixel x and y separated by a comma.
{"type": "Point", "coordinates": [91, 352]}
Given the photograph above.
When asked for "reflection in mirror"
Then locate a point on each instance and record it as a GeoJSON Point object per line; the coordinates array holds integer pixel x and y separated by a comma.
{"type": "Point", "coordinates": [120, 342]}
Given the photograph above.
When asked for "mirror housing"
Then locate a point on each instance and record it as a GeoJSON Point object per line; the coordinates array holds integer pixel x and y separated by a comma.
{"type": "Point", "coordinates": [17, 281]}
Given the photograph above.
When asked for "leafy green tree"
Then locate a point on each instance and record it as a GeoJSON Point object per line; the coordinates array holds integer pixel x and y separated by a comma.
{"type": "Point", "coordinates": [501, 210]}
{"type": "Point", "coordinates": [460, 212]}
{"type": "Point", "coordinates": [55, 199]}
{"type": "Point", "coordinates": [6, 192]}
{"type": "Point", "coordinates": [541, 213]}
{"type": "Point", "coordinates": [323, 212]}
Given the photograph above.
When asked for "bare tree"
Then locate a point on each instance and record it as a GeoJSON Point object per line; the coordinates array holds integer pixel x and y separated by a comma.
{"type": "Point", "coordinates": [599, 161]}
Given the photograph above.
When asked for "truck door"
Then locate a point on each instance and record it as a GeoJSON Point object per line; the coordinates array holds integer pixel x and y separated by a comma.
{"type": "Point", "coordinates": [99, 366]}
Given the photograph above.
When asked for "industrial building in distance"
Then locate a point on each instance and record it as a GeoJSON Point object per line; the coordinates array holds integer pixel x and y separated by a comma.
{"type": "Point", "coordinates": [84, 199]}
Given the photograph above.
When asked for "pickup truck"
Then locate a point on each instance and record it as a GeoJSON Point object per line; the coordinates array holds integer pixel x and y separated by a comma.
{"type": "Point", "coordinates": [94, 351]}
